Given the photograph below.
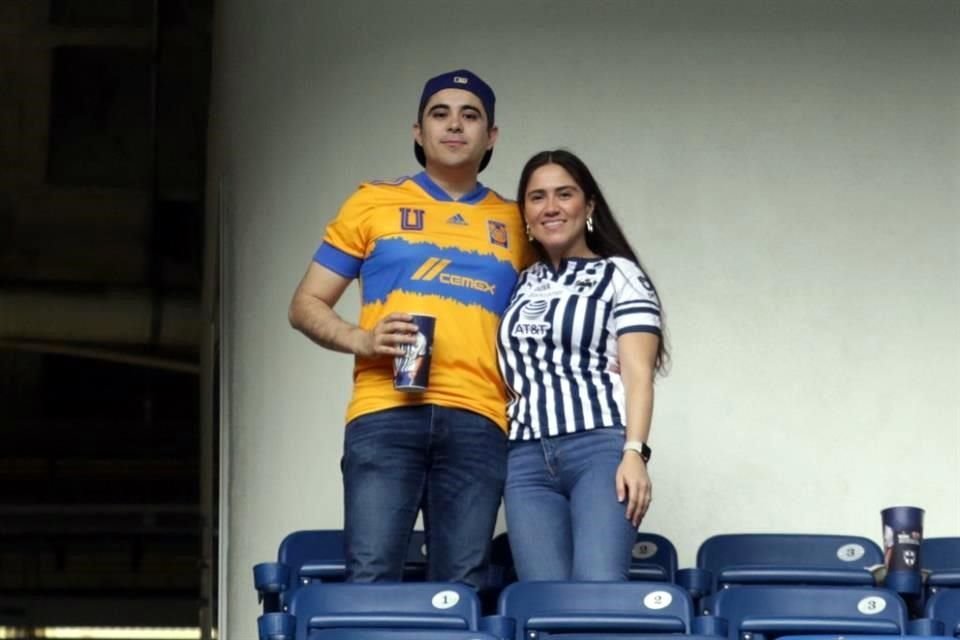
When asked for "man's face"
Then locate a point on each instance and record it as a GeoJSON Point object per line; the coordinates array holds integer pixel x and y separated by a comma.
{"type": "Point", "coordinates": [454, 131]}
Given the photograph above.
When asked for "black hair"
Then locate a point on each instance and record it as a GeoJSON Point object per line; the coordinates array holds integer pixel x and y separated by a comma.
{"type": "Point", "coordinates": [607, 239]}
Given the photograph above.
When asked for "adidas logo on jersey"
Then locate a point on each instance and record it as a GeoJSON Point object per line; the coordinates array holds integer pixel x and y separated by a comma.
{"type": "Point", "coordinates": [457, 219]}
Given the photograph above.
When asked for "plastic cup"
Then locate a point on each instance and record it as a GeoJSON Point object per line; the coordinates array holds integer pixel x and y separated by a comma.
{"type": "Point", "coordinates": [411, 371]}
{"type": "Point", "coordinates": [902, 538]}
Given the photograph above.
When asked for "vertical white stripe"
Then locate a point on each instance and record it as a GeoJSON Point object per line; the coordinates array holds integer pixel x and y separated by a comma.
{"type": "Point", "coordinates": [596, 353]}
{"type": "Point", "coordinates": [609, 388]}
{"type": "Point", "coordinates": [548, 373]}
{"type": "Point", "coordinates": [566, 382]}
{"type": "Point", "coordinates": [544, 391]}
{"type": "Point", "coordinates": [576, 358]}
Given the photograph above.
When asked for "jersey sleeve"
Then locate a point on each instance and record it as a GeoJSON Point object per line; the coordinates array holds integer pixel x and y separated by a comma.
{"type": "Point", "coordinates": [636, 307]}
{"type": "Point", "coordinates": [346, 241]}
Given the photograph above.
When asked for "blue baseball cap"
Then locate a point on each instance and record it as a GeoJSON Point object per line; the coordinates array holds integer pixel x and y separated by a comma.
{"type": "Point", "coordinates": [459, 79]}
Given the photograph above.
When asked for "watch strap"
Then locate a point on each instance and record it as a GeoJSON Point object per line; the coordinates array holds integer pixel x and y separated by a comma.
{"type": "Point", "coordinates": [639, 447]}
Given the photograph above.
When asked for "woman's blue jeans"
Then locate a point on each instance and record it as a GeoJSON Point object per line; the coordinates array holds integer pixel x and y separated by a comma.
{"type": "Point", "coordinates": [449, 462]}
{"type": "Point", "coordinates": [563, 518]}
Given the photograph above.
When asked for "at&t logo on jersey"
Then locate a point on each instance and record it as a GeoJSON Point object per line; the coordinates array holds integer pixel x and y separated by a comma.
{"type": "Point", "coordinates": [530, 330]}
{"type": "Point", "coordinates": [534, 308]}
{"type": "Point", "coordinates": [531, 323]}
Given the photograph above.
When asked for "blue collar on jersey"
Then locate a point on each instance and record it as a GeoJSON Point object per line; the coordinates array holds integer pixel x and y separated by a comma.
{"type": "Point", "coordinates": [573, 261]}
{"type": "Point", "coordinates": [437, 192]}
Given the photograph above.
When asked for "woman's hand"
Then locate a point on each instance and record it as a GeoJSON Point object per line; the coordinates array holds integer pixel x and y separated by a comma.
{"type": "Point", "coordinates": [633, 485]}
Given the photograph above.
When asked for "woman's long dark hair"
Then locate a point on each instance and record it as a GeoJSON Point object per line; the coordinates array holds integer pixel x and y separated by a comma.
{"type": "Point", "coordinates": [607, 239]}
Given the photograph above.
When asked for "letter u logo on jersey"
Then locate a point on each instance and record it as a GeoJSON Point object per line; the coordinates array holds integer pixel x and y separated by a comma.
{"type": "Point", "coordinates": [411, 219]}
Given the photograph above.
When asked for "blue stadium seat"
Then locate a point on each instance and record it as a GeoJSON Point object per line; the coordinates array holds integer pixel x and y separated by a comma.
{"type": "Point", "coordinates": [758, 558]}
{"type": "Point", "coordinates": [398, 634]}
{"type": "Point", "coordinates": [305, 557]}
{"type": "Point", "coordinates": [500, 572]}
{"type": "Point", "coordinates": [541, 609]}
{"type": "Point", "coordinates": [944, 607]}
{"type": "Point", "coordinates": [403, 607]}
{"type": "Point", "coordinates": [847, 636]}
{"type": "Point", "coordinates": [766, 612]}
{"type": "Point", "coordinates": [654, 559]}
{"type": "Point", "coordinates": [941, 557]}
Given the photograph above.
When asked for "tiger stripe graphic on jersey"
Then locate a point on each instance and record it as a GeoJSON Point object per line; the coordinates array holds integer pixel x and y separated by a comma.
{"type": "Point", "coordinates": [416, 250]}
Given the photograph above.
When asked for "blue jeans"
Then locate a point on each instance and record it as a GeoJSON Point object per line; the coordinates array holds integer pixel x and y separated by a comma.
{"type": "Point", "coordinates": [448, 462]}
{"type": "Point", "coordinates": [563, 518]}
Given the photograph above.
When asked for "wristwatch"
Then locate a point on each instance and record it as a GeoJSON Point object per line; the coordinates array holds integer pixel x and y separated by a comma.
{"type": "Point", "coordinates": [639, 447]}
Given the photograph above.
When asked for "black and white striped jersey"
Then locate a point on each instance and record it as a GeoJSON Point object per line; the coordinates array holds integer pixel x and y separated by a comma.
{"type": "Point", "coordinates": [557, 344]}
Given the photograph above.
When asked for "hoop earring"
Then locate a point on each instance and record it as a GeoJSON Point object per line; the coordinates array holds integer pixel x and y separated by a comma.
{"type": "Point", "coordinates": [529, 235]}
{"type": "Point", "coordinates": [590, 224]}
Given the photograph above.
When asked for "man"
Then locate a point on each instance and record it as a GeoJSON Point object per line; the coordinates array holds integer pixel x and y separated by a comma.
{"type": "Point", "coordinates": [438, 243]}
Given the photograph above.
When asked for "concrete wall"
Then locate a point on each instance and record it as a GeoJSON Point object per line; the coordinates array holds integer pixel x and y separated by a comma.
{"type": "Point", "coordinates": [787, 171]}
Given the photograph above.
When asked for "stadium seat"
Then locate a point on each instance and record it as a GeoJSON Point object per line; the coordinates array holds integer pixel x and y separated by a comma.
{"type": "Point", "coordinates": [537, 609]}
{"type": "Point", "coordinates": [398, 634]}
{"type": "Point", "coordinates": [941, 557]}
{"type": "Point", "coordinates": [311, 556]}
{"type": "Point", "coordinates": [765, 612]}
{"type": "Point", "coordinates": [740, 559]}
{"type": "Point", "coordinates": [847, 636]}
{"type": "Point", "coordinates": [318, 609]}
{"type": "Point", "coordinates": [500, 572]}
{"type": "Point", "coordinates": [944, 607]}
{"type": "Point", "coordinates": [654, 559]}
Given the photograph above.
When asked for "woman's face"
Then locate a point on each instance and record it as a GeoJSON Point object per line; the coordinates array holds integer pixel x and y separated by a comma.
{"type": "Point", "coordinates": [556, 210]}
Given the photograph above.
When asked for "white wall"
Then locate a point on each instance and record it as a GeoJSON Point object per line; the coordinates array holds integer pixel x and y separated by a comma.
{"type": "Point", "coordinates": [788, 172]}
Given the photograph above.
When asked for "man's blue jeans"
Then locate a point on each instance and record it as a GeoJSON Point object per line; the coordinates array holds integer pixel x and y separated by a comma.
{"type": "Point", "coordinates": [563, 518]}
{"type": "Point", "coordinates": [449, 462]}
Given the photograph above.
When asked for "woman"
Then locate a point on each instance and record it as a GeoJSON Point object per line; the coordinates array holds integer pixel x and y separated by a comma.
{"type": "Point", "coordinates": [579, 346]}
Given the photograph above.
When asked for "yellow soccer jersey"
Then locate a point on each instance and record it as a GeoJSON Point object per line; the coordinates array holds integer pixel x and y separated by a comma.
{"type": "Point", "coordinates": [415, 250]}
